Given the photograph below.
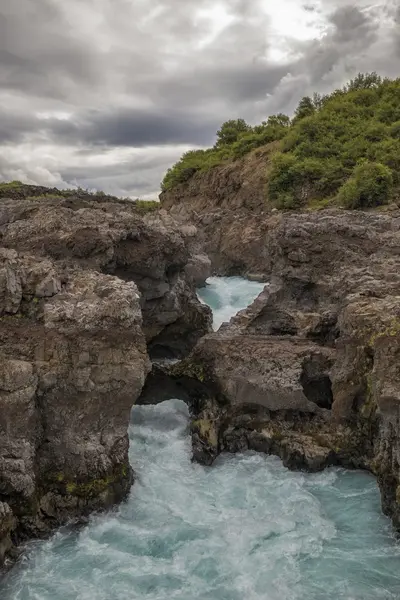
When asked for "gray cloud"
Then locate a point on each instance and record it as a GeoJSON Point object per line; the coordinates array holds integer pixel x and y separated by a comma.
{"type": "Point", "coordinates": [396, 33]}
{"type": "Point", "coordinates": [132, 178]}
{"type": "Point", "coordinates": [349, 22]}
{"type": "Point", "coordinates": [14, 126]}
{"type": "Point", "coordinates": [355, 41]}
{"type": "Point", "coordinates": [109, 94]}
{"type": "Point", "coordinates": [137, 128]}
{"type": "Point", "coordinates": [39, 53]}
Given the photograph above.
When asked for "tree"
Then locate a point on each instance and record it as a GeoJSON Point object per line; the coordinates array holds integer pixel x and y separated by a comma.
{"type": "Point", "coordinates": [363, 81]}
{"type": "Point", "coordinates": [318, 100]}
{"type": "Point", "coordinates": [320, 147]}
{"type": "Point", "coordinates": [279, 120]}
{"type": "Point", "coordinates": [305, 108]}
{"type": "Point", "coordinates": [230, 131]}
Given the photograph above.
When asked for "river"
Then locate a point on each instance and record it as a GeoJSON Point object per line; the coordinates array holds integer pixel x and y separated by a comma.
{"type": "Point", "coordinates": [244, 529]}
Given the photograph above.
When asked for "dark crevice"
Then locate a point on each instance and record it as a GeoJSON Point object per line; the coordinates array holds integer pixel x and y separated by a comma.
{"type": "Point", "coordinates": [272, 321]}
{"type": "Point", "coordinates": [317, 386]}
{"type": "Point", "coordinates": [161, 386]}
{"type": "Point", "coordinates": [160, 351]}
{"type": "Point", "coordinates": [304, 293]}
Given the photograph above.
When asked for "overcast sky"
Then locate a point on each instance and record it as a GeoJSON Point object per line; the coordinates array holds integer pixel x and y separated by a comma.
{"type": "Point", "coordinates": [107, 94]}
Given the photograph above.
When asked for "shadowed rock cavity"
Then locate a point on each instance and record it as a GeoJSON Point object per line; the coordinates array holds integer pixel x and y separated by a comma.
{"type": "Point", "coordinates": [317, 386]}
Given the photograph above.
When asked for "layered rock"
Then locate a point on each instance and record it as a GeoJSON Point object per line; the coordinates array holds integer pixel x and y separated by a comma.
{"type": "Point", "coordinates": [86, 288]}
{"type": "Point", "coordinates": [240, 184]}
{"type": "Point", "coordinates": [228, 204]}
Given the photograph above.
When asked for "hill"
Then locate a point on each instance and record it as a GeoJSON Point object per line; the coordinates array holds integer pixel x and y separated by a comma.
{"type": "Point", "coordinates": [341, 149]}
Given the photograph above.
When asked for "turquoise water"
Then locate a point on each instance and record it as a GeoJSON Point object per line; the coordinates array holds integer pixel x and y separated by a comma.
{"type": "Point", "coordinates": [228, 295]}
{"type": "Point", "coordinates": [245, 529]}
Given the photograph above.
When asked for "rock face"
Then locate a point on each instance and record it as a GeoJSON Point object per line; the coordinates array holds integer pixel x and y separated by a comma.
{"type": "Point", "coordinates": [233, 186]}
{"type": "Point", "coordinates": [90, 291]}
{"type": "Point", "coordinates": [110, 237]}
{"type": "Point", "coordinates": [228, 203]}
{"type": "Point", "coordinates": [310, 371]}
{"type": "Point", "coordinates": [85, 291]}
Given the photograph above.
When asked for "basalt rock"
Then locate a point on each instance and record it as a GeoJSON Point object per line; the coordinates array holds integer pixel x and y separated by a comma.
{"type": "Point", "coordinates": [73, 359]}
{"type": "Point", "coordinates": [86, 289]}
{"type": "Point", "coordinates": [310, 371]}
{"type": "Point", "coordinates": [7, 528]}
{"type": "Point", "coordinates": [112, 238]}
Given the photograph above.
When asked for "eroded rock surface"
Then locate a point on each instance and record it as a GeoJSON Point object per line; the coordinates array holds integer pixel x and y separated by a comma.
{"type": "Point", "coordinates": [310, 371]}
{"type": "Point", "coordinates": [73, 359]}
{"type": "Point", "coordinates": [110, 237]}
{"type": "Point", "coordinates": [86, 289]}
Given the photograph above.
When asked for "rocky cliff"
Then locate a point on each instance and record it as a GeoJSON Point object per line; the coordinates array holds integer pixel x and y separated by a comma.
{"type": "Point", "coordinates": [229, 203]}
{"type": "Point", "coordinates": [310, 371]}
{"type": "Point", "coordinates": [87, 288]}
{"type": "Point", "coordinates": [235, 219]}
{"type": "Point", "coordinates": [230, 186]}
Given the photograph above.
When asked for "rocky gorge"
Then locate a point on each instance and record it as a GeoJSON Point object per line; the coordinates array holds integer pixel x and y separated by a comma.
{"type": "Point", "coordinates": [96, 295]}
{"type": "Point", "coordinates": [309, 371]}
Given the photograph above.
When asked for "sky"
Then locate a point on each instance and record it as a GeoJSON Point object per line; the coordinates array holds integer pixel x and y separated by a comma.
{"type": "Point", "coordinates": [107, 94]}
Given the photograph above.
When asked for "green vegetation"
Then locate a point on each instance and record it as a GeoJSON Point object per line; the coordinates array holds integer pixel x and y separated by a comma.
{"type": "Point", "coordinates": [234, 140]}
{"type": "Point", "coordinates": [342, 148]}
{"type": "Point", "coordinates": [189, 368]}
{"type": "Point", "coordinates": [46, 197]}
{"type": "Point", "coordinates": [35, 193]}
{"type": "Point", "coordinates": [93, 487]}
{"type": "Point", "coordinates": [370, 185]}
{"type": "Point", "coordinates": [6, 185]}
{"type": "Point", "coordinates": [145, 206]}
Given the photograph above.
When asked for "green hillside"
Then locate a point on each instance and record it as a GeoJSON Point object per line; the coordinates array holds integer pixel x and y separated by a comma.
{"type": "Point", "coordinates": [342, 148]}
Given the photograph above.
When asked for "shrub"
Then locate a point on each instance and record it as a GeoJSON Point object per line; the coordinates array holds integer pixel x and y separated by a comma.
{"type": "Point", "coordinates": [145, 206]}
{"type": "Point", "coordinates": [296, 182]}
{"type": "Point", "coordinates": [358, 123]}
{"type": "Point", "coordinates": [260, 136]}
{"type": "Point", "coordinates": [395, 130]}
{"type": "Point", "coordinates": [370, 185]}
{"type": "Point", "coordinates": [243, 138]}
{"type": "Point", "coordinates": [387, 152]}
{"type": "Point", "coordinates": [305, 109]}
{"type": "Point", "coordinates": [364, 81]}
{"type": "Point", "coordinates": [184, 169]}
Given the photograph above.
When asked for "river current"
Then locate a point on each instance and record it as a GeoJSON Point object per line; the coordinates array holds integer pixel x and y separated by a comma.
{"type": "Point", "coordinates": [244, 529]}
